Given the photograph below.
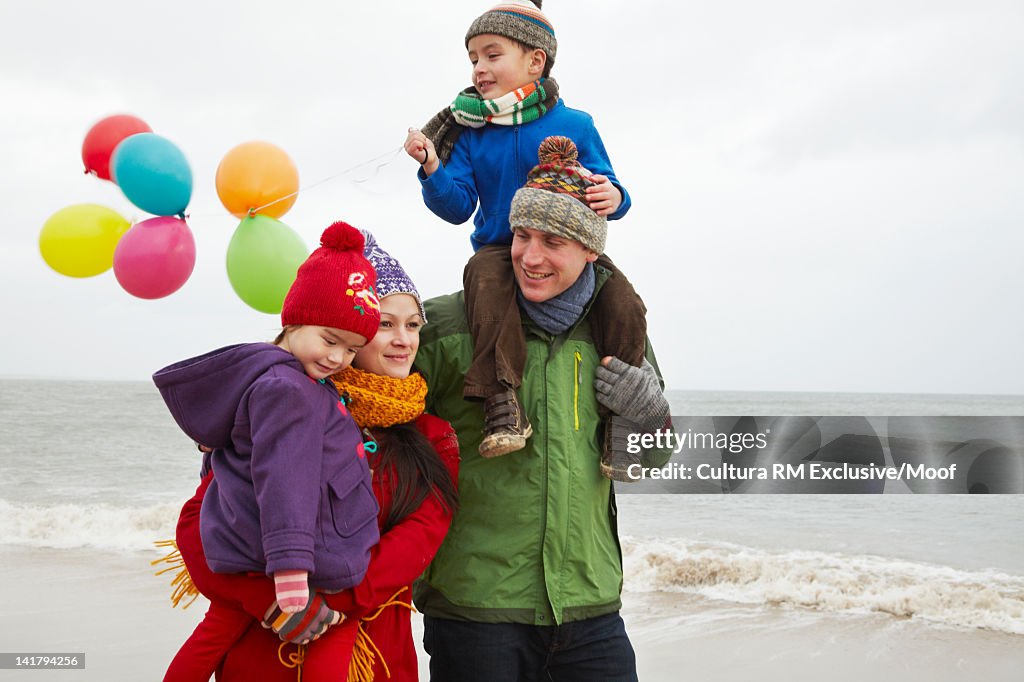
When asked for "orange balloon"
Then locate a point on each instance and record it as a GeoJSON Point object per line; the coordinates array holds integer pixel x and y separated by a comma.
{"type": "Point", "coordinates": [255, 174]}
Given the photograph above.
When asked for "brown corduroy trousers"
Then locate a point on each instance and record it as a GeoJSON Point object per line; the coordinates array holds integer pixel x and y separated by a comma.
{"type": "Point", "coordinates": [618, 322]}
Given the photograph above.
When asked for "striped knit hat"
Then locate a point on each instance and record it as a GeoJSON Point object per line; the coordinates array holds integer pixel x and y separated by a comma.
{"type": "Point", "coordinates": [554, 198]}
{"type": "Point", "coordinates": [519, 20]}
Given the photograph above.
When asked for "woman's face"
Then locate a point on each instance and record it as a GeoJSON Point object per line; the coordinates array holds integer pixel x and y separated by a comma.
{"type": "Point", "coordinates": [393, 349]}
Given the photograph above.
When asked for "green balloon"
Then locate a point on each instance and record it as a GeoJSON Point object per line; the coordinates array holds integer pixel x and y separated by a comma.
{"type": "Point", "coordinates": [263, 256]}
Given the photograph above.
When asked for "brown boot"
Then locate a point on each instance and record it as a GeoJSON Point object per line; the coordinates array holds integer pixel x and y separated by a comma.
{"type": "Point", "coordinates": [615, 458]}
{"type": "Point", "coordinates": [506, 427]}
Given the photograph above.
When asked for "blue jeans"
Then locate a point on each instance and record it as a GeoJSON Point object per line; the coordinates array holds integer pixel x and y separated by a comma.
{"type": "Point", "coordinates": [592, 650]}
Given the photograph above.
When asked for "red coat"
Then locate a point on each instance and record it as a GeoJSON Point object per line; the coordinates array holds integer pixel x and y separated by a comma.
{"type": "Point", "coordinates": [402, 555]}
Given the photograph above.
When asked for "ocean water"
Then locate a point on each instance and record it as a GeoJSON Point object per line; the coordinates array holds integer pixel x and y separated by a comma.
{"type": "Point", "coordinates": [101, 466]}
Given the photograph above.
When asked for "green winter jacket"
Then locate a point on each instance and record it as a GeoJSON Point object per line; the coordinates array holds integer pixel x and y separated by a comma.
{"type": "Point", "coordinates": [535, 540]}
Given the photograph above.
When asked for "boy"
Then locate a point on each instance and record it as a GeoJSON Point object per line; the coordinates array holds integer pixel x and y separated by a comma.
{"type": "Point", "coordinates": [480, 149]}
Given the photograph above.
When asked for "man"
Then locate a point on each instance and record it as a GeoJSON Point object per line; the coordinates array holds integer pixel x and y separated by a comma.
{"type": "Point", "coordinates": [528, 581]}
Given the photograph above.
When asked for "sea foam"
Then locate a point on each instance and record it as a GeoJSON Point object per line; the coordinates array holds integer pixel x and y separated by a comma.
{"type": "Point", "coordinates": [70, 526]}
{"type": "Point", "coordinates": [829, 582]}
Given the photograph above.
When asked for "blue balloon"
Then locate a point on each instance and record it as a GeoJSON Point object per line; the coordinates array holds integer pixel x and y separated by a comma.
{"type": "Point", "coordinates": [153, 173]}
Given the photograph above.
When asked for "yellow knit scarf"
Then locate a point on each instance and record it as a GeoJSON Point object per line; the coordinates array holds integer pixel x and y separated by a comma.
{"type": "Point", "coordinates": [377, 400]}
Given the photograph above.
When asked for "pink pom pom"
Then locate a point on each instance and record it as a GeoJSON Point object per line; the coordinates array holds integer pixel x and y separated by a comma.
{"type": "Point", "coordinates": [342, 236]}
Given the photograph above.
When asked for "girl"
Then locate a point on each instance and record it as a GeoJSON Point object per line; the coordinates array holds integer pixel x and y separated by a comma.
{"type": "Point", "coordinates": [290, 493]}
{"type": "Point", "coordinates": [415, 468]}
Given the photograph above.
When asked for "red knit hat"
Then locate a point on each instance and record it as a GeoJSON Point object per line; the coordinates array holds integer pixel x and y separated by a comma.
{"type": "Point", "coordinates": [335, 287]}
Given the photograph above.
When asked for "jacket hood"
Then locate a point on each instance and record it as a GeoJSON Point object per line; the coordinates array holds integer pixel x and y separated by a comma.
{"type": "Point", "coordinates": [203, 393]}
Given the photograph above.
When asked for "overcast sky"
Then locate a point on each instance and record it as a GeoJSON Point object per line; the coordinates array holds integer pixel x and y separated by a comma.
{"type": "Point", "coordinates": [827, 196]}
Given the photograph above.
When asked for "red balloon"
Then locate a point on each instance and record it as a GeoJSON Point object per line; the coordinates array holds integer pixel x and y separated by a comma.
{"type": "Point", "coordinates": [103, 138]}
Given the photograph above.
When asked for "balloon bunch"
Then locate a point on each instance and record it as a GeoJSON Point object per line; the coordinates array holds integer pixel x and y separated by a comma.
{"type": "Point", "coordinates": [153, 258]}
{"type": "Point", "coordinates": [257, 182]}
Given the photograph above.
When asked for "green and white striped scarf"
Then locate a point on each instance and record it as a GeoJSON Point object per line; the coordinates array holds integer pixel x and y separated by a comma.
{"type": "Point", "coordinates": [470, 110]}
{"type": "Point", "coordinates": [522, 105]}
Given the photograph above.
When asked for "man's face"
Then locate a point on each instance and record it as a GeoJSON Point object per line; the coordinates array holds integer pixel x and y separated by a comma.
{"type": "Point", "coordinates": [546, 264]}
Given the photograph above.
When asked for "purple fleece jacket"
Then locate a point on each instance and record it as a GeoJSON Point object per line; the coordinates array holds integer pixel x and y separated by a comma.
{"type": "Point", "coordinates": [291, 486]}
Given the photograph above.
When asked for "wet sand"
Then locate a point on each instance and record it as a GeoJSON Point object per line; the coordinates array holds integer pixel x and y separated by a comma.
{"type": "Point", "coordinates": [111, 607]}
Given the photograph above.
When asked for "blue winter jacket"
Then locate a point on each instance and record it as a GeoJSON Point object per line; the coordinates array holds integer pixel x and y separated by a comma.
{"type": "Point", "coordinates": [489, 164]}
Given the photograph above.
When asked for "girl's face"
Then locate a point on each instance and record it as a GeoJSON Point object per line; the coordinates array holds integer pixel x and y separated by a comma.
{"type": "Point", "coordinates": [322, 351]}
{"type": "Point", "coordinates": [393, 349]}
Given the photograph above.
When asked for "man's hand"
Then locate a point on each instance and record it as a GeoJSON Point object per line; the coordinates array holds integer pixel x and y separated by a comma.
{"type": "Point", "coordinates": [603, 197]}
{"type": "Point", "coordinates": [632, 392]}
{"type": "Point", "coordinates": [303, 626]}
{"type": "Point", "coordinates": [421, 149]}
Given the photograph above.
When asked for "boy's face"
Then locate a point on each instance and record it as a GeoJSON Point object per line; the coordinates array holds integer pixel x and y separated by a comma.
{"type": "Point", "coordinates": [546, 264]}
{"type": "Point", "coordinates": [501, 66]}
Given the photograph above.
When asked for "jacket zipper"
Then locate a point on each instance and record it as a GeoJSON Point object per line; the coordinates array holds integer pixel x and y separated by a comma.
{"type": "Point", "coordinates": [576, 390]}
{"type": "Point", "coordinates": [515, 147]}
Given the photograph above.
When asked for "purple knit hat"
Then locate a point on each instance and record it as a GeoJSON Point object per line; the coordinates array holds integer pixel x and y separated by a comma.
{"type": "Point", "coordinates": [391, 276]}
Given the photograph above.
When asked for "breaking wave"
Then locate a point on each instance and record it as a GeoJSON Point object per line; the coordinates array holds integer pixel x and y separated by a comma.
{"type": "Point", "coordinates": [827, 582]}
{"type": "Point", "coordinates": [71, 526]}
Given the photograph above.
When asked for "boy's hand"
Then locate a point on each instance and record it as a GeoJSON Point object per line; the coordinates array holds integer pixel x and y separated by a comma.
{"type": "Point", "coordinates": [604, 197]}
{"type": "Point", "coordinates": [421, 149]}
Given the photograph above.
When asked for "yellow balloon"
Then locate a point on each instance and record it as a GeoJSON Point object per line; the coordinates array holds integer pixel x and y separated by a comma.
{"type": "Point", "coordinates": [79, 241]}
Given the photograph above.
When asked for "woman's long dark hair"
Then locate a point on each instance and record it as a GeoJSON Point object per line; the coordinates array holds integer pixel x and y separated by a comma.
{"type": "Point", "coordinates": [416, 471]}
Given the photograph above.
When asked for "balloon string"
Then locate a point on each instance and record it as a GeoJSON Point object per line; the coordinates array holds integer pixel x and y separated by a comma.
{"type": "Point", "coordinates": [376, 170]}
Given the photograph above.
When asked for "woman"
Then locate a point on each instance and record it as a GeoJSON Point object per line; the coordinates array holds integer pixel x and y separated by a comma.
{"type": "Point", "coordinates": [415, 466]}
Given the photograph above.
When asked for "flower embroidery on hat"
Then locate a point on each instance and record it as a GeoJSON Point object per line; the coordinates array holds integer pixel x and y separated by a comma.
{"type": "Point", "coordinates": [360, 289]}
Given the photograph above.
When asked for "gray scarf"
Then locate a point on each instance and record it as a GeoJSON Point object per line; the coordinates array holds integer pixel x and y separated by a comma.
{"type": "Point", "coordinates": [558, 314]}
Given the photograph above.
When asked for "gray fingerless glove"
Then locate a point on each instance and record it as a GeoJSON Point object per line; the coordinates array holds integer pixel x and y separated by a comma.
{"type": "Point", "coordinates": [632, 392]}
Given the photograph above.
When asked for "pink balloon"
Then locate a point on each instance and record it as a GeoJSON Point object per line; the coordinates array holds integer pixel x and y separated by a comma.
{"type": "Point", "coordinates": [155, 257]}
